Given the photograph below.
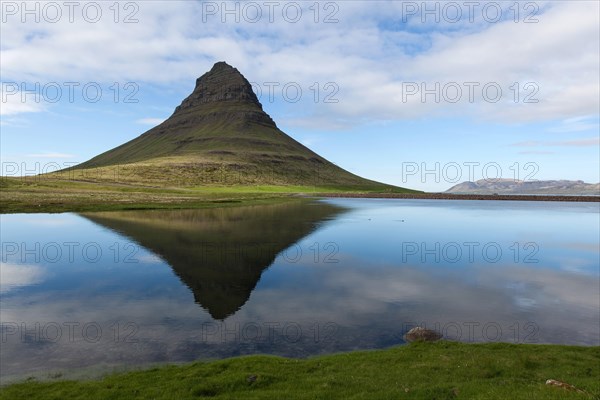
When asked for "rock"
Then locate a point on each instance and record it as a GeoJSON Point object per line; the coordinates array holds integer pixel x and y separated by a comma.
{"type": "Point", "coordinates": [422, 335]}
{"type": "Point", "coordinates": [251, 378]}
{"type": "Point", "coordinates": [223, 84]}
{"type": "Point", "coordinates": [559, 384]}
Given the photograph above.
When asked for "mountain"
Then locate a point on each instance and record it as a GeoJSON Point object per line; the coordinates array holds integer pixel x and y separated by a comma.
{"type": "Point", "coordinates": [511, 186]}
{"type": "Point", "coordinates": [220, 134]}
{"type": "Point", "coordinates": [221, 253]}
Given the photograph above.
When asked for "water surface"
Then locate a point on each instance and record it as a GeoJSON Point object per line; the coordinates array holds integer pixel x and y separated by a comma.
{"type": "Point", "coordinates": [295, 279]}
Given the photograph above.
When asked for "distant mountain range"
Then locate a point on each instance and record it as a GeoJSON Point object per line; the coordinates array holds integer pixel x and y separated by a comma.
{"type": "Point", "coordinates": [511, 186]}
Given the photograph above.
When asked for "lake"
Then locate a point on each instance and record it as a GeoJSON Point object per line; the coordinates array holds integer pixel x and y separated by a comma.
{"type": "Point", "coordinates": [95, 291]}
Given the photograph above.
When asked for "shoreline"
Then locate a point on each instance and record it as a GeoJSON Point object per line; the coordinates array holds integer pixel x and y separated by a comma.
{"type": "Point", "coordinates": [55, 196]}
{"type": "Point", "coordinates": [481, 370]}
{"type": "Point", "coordinates": [450, 196]}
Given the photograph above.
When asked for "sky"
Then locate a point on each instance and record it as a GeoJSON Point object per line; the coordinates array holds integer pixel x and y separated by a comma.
{"type": "Point", "coordinates": [416, 94]}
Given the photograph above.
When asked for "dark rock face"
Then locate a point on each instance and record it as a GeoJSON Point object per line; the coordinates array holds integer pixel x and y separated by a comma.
{"type": "Point", "coordinates": [225, 84]}
{"type": "Point", "coordinates": [221, 83]}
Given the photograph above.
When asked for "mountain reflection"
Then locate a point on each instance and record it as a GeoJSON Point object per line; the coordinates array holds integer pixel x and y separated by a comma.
{"type": "Point", "coordinates": [219, 254]}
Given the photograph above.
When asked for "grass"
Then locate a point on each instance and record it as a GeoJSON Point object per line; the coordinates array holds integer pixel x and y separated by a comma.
{"type": "Point", "coordinates": [442, 370]}
{"type": "Point", "coordinates": [55, 193]}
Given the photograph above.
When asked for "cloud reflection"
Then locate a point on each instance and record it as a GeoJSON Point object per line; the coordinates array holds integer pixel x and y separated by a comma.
{"type": "Point", "coordinates": [13, 276]}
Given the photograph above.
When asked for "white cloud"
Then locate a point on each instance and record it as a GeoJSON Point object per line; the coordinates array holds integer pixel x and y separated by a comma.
{"type": "Point", "coordinates": [14, 103]}
{"type": "Point", "coordinates": [591, 142]}
{"type": "Point", "coordinates": [587, 142]}
{"type": "Point", "coordinates": [150, 121]}
{"type": "Point", "coordinates": [369, 53]}
{"type": "Point", "coordinates": [536, 152]}
{"type": "Point", "coordinates": [576, 124]}
{"type": "Point", "coordinates": [149, 259]}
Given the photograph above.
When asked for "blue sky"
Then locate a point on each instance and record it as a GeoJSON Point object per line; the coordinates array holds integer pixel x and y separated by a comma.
{"type": "Point", "coordinates": [408, 92]}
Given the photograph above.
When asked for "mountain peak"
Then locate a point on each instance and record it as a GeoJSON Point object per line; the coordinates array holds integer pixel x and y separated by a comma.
{"type": "Point", "coordinates": [222, 65]}
{"type": "Point", "coordinates": [221, 135]}
{"type": "Point", "coordinates": [222, 84]}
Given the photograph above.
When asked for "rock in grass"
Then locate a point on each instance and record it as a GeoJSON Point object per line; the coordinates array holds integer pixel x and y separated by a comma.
{"type": "Point", "coordinates": [419, 334]}
{"type": "Point", "coordinates": [555, 383]}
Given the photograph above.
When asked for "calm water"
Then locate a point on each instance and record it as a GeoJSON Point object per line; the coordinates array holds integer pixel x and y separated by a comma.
{"type": "Point", "coordinates": [297, 279]}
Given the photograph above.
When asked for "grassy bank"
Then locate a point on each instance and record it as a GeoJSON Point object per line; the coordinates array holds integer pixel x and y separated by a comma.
{"type": "Point", "coordinates": [50, 194]}
{"type": "Point", "coordinates": [443, 370]}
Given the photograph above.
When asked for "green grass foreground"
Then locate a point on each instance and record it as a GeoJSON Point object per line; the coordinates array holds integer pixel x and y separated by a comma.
{"type": "Point", "coordinates": [443, 370]}
{"type": "Point", "coordinates": [43, 194]}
